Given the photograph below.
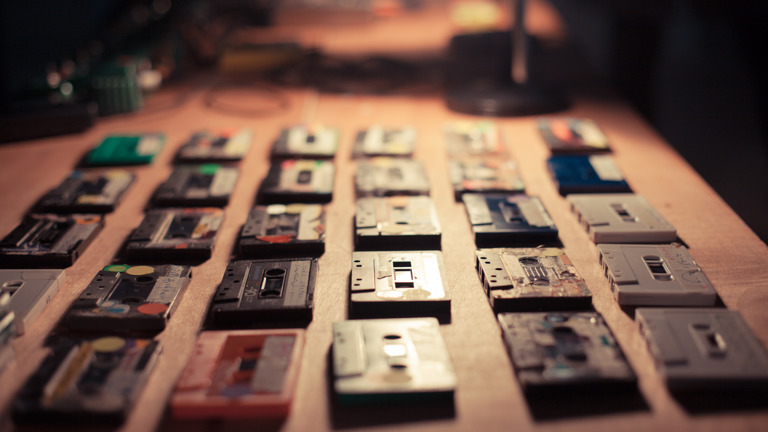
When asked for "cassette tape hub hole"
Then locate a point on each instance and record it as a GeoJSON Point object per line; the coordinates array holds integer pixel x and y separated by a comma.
{"type": "Point", "coordinates": [12, 286]}
{"type": "Point", "coordinates": [274, 272]}
{"type": "Point", "coordinates": [145, 279]}
{"type": "Point", "coordinates": [132, 300]}
{"type": "Point", "coordinates": [392, 336]}
{"type": "Point", "coordinates": [556, 318]}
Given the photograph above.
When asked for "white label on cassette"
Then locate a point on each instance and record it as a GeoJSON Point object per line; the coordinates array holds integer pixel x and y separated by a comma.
{"type": "Point", "coordinates": [605, 168]}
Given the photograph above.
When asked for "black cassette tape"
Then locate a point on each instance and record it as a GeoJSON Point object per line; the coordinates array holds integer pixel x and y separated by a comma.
{"type": "Point", "coordinates": [655, 275]}
{"type": "Point", "coordinates": [381, 141]}
{"type": "Point", "coordinates": [313, 142]}
{"type": "Point", "coordinates": [398, 361]}
{"type": "Point", "coordinates": [555, 352]}
{"type": "Point", "coordinates": [175, 234]}
{"type": "Point", "coordinates": [127, 299]}
{"type": "Point", "coordinates": [484, 175]}
{"type": "Point", "coordinates": [573, 135]}
{"type": "Point", "coordinates": [475, 138]}
{"type": "Point", "coordinates": [386, 176]}
{"type": "Point", "coordinates": [399, 284]}
{"type": "Point", "coordinates": [221, 147]}
{"type": "Point", "coordinates": [283, 230]}
{"type": "Point", "coordinates": [48, 240]}
{"type": "Point", "coordinates": [87, 381]}
{"type": "Point", "coordinates": [398, 222]}
{"type": "Point", "coordinates": [704, 349]}
{"type": "Point", "coordinates": [203, 185]}
{"type": "Point", "coordinates": [298, 181]}
{"type": "Point", "coordinates": [509, 220]}
{"type": "Point", "coordinates": [586, 174]}
{"type": "Point", "coordinates": [265, 293]}
{"type": "Point", "coordinates": [87, 192]}
{"type": "Point", "coordinates": [7, 331]}
{"type": "Point", "coordinates": [529, 279]}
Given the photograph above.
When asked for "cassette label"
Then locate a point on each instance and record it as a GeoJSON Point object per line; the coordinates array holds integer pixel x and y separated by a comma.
{"type": "Point", "coordinates": [525, 279]}
{"type": "Point", "coordinates": [399, 222]}
{"type": "Point", "coordinates": [298, 181]}
{"type": "Point", "coordinates": [380, 141]}
{"type": "Point", "coordinates": [30, 291]}
{"type": "Point", "coordinates": [399, 284]}
{"type": "Point", "coordinates": [474, 138]}
{"type": "Point", "coordinates": [314, 142]}
{"type": "Point", "coordinates": [499, 219]}
{"type": "Point", "coordinates": [127, 150]}
{"type": "Point", "coordinates": [385, 176]}
{"type": "Point", "coordinates": [204, 185]}
{"type": "Point", "coordinates": [283, 230]}
{"type": "Point", "coordinates": [621, 218]}
{"type": "Point", "coordinates": [222, 147]}
{"type": "Point", "coordinates": [572, 135]}
{"type": "Point", "coordinates": [484, 175]}
{"type": "Point", "coordinates": [391, 360]}
{"type": "Point", "coordinates": [586, 174]}
{"type": "Point", "coordinates": [87, 192]}
{"type": "Point", "coordinates": [175, 234]}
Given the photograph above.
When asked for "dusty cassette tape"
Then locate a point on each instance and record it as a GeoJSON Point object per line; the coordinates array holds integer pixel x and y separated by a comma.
{"type": "Point", "coordinates": [30, 291]}
{"type": "Point", "coordinates": [126, 150]}
{"type": "Point", "coordinates": [398, 222]}
{"type": "Point", "coordinates": [704, 349]}
{"type": "Point", "coordinates": [298, 181]}
{"type": "Point", "coordinates": [399, 284]}
{"type": "Point", "coordinates": [7, 331]}
{"type": "Point", "coordinates": [484, 175]}
{"type": "Point", "coordinates": [525, 279]}
{"type": "Point", "coordinates": [313, 142]}
{"type": "Point", "coordinates": [240, 374]}
{"type": "Point", "coordinates": [572, 135]}
{"type": "Point", "coordinates": [509, 219]}
{"type": "Point", "coordinates": [203, 185]}
{"type": "Point", "coordinates": [87, 381]}
{"type": "Point", "coordinates": [473, 138]}
{"type": "Point", "coordinates": [87, 192]}
{"type": "Point", "coordinates": [555, 352]}
{"type": "Point", "coordinates": [391, 360]}
{"type": "Point", "coordinates": [283, 230]}
{"type": "Point", "coordinates": [655, 275]}
{"type": "Point", "coordinates": [48, 240]}
{"type": "Point", "coordinates": [264, 293]}
{"type": "Point", "coordinates": [586, 174]}
{"type": "Point", "coordinates": [381, 141]}
{"type": "Point", "coordinates": [221, 147]}
{"type": "Point", "coordinates": [621, 218]}
{"type": "Point", "coordinates": [126, 299]}
{"type": "Point", "coordinates": [386, 176]}
{"type": "Point", "coordinates": [175, 234]}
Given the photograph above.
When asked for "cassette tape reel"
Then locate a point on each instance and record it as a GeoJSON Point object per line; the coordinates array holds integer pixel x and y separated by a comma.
{"type": "Point", "coordinates": [385, 176]}
{"type": "Point", "coordinates": [221, 147]}
{"type": "Point", "coordinates": [398, 222]}
{"type": "Point", "coordinates": [87, 192]}
{"type": "Point", "coordinates": [175, 235]}
{"type": "Point", "coordinates": [506, 220]}
{"type": "Point", "coordinates": [30, 291]}
{"type": "Point", "coordinates": [484, 175]}
{"type": "Point", "coordinates": [204, 185]}
{"type": "Point", "coordinates": [283, 230]}
{"type": "Point", "coordinates": [474, 138]}
{"type": "Point", "coordinates": [314, 142]}
{"type": "Point", "coordinates": [586, 174]}
{"type": "Point", "coordinates": [298, 181]}
{"type": "Point", "coordinates": [381, 141]}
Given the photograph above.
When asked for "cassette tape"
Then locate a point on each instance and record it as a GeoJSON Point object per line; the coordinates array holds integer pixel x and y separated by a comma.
{"type": "Point", "coordinates": [298, 181]}
{"type": "Point", "coordinates": [391, 360]}
{"type": "Point", "coordinates": [222, 147]}
{"type": "Point", "coordinates": [240, 374]}
{"type": "Point", "coordinates": [529, 279]}
{"type": "Point", "coordinates": [175, 234]}
{"type": "Point", "coordinates": [126, 150]}
{"type": "Point", "coordinates": [30, 291]}
{"type": "Point", "coordinates": [586, 174]}
{"type": "Point", "coordinates": [704, 349]}
{"type": "Point", "coordinates": [509, 219]}
{"type": "Point", "coordinates": [312, 142]}
{"type": "Point", "coordinates": [655, 275]}
{"type": "Point", "coordinates": [473, 138]}
{"type": "Point", "coordinates": [87, 192]}
{"type": "Point", "coordinates": [572, 135]}
{"type": "Point", "coordinates": [386, 176]}
{"type": "Point", "coordinates": [380, 141]}
{"type": "Point", "coordinates": [398, 222]}
{"type": "Point", "coordinates": [484, 175]}
{"type": "Point", "coordinates": [264, 293]}
{"type": "Point", "coordinates": [87, 381]}
{"type": "Point", "coordinates": [283, 230]}
{"type": "Point", "coordinates": [203, 185]}
{"type": "Point", "coordinates": [48, 240]}
{"type": "Point", "coordinates": [7, 331]}
{"type": "Point", "coordinates": [399, 284]}
{"type": "Point", "coordinates": [621, 218]}
{"type": "Point", "coordinates": [129, 299]}
{"type": "Point", "coordinates": [555, 352]}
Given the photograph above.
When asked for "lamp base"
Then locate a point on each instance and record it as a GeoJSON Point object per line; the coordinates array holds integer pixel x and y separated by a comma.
{"type": "Point", "coordinates": [505, 100]}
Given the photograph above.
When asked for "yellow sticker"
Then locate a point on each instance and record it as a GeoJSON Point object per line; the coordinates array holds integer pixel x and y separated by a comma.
{"type": "Point", "coordinates": [108, 344]}
{"type": "Point", "coordinates": [140, 270]}
{"type": "Point", "coordinates": [294, 208]}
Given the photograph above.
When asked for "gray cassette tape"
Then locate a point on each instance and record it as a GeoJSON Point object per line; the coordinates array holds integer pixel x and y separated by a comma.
{"type": "Point", "coordinates": [30, 291]}
{"type": "Point", "coordinates": [655, 275]}
{"type": "Point", "coordinates": [474, 138]}
{"type": "Point", "coordinates": [204, 185]}
{"type": "Point", "coordinates": [399, 284]}
{"type": "Point", "coordinates": [484, 175]}
{"type": "Point", "coordinates": [399, 222]}
{"type": "Point", "coordinates": [621, 218]}
{"type": "Point", "coordinates": [704, 348]}
{"type": "Point", "coordinates": [7, 331]}
{"type": "Point", "coordinates": [385, 176]}
{"type": "Point", "coordinates": [381, 141]}
{"type": "Point", "coordinates": [392, 360]}
{"type": "Point", "coordinates": [306, 141]}
{"type": "Point", "coordinates": [520, 279]}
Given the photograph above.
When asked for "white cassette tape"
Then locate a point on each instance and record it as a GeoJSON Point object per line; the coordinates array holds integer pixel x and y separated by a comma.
{"type": "Point", "coordinates": [30, 291]}
{"type": "Point", "coordinates": [621, 218]}
{"type": "Point", "coordinates": [655, 275]}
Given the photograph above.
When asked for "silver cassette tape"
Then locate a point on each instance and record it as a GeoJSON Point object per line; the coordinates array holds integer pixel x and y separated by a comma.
{"type": "Point", "coordinates": [30, 291]}
{"type": "Point", "coordinates": [474, 138]}
{"type": "Point", "coordinates": [484, 175]}
{"type": "Point", "coordinates": [381, 141]}
{"type": "Point", "coordinates": [386, 176]}
{"type": "Point", "coordinates": [399, 284]}
{"type": "Point", "coordinates": [655, 275]}
{"type": "Point", "coordinates": [391, 360]}
{"type": "Point", "coordinates": [525, 279]}
{"type": "Point", "coordinates": [704, 348]}
{"type": "Point", "coordinates": [314, 141]}
{"type": "Point", "coordinates": [398, 222]}
{"type": "Point", "coordinates": [621, 218]}
{"type": "Point", "coordinates": [7, 331]}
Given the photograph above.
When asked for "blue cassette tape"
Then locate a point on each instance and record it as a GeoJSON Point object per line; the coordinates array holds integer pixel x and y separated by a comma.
{"type": "Point", "coordinates": [586, 174]}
